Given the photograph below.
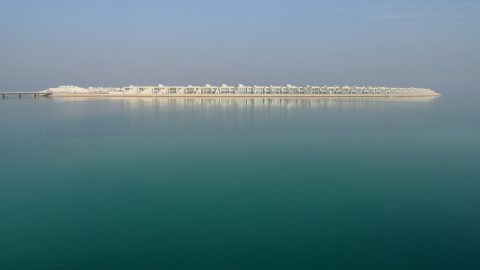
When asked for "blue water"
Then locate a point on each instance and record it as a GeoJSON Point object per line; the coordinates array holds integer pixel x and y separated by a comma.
{"type": "Point", "coordinates": [239, 184]}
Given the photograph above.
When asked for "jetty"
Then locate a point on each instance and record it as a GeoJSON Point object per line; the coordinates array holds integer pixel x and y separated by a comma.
{"type": "Point", "coordinates": [23, 94]}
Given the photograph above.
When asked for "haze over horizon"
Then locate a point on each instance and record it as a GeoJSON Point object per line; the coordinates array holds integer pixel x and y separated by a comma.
{"type": "Point", "coordinates": [433, 44]}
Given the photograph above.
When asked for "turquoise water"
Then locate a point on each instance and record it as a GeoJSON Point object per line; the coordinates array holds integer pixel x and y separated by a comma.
{"type": "Point", "coordinates": [239, 184]}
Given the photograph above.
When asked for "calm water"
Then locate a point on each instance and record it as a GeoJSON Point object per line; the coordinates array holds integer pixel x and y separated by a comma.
{"type": "Point", "coordinates": [239, 184]}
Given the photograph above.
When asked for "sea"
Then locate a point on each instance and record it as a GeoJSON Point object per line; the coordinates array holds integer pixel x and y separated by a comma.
{"type": "Point", "coordinates": [238, 183]}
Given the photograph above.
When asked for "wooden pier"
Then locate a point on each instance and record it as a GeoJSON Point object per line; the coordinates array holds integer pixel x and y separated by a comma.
{"type": "Point", "coordinates": [22, 94]}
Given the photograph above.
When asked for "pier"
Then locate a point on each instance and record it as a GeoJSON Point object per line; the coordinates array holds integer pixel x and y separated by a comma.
{"type": "Point", "coordinates": [22, 94]}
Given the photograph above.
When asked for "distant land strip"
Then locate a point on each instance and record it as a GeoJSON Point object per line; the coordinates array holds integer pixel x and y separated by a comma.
{"type": "Point", "coordinates": [238, 91]}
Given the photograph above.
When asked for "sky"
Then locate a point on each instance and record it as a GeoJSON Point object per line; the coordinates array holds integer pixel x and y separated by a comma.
{"type": "Point", "coordinates": [424, 43]}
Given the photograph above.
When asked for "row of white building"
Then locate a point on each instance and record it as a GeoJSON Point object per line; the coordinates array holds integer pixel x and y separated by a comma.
{"type": "Point", "coordinates": [241, 90]}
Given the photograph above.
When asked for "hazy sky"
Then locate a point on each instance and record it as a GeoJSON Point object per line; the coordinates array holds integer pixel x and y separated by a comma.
{"type": "Point", "coordinates": [431, 43]}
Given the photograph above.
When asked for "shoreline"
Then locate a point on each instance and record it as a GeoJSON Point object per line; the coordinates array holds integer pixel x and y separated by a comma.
{"type": "Point", "coordinates": [309, 96]}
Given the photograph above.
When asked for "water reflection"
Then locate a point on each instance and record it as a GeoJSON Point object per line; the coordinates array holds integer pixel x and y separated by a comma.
{"type": "Point", "coordinates": [252, 102]}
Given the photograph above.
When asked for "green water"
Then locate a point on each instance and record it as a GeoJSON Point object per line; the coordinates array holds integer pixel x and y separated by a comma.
{"type": "Point", "coordinates": [239, 184]}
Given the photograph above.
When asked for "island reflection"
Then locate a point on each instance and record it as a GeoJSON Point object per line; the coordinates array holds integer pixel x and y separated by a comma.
{"type": "Point", "coordinates": [323, 102]}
